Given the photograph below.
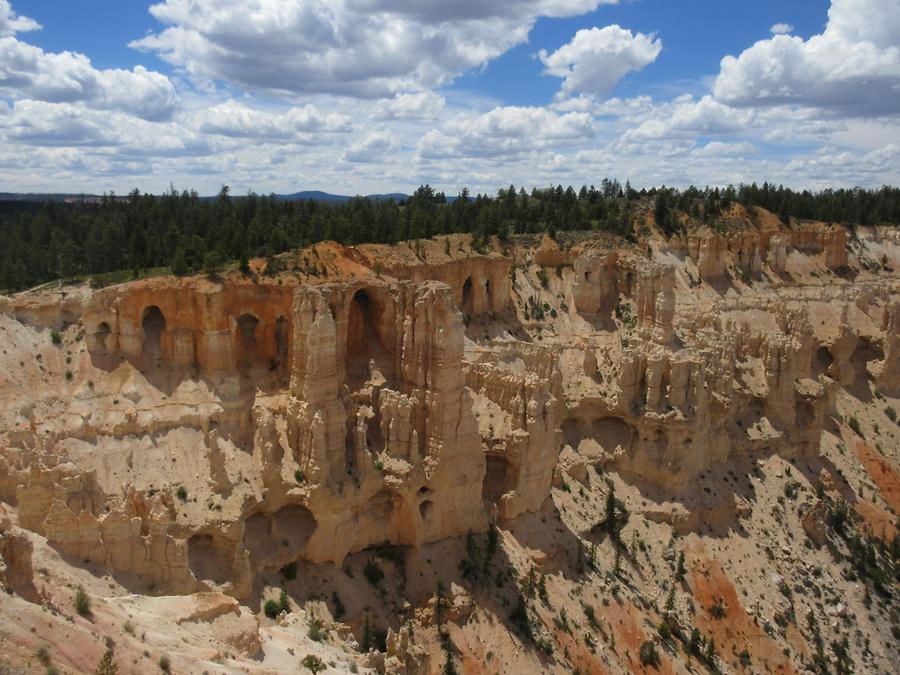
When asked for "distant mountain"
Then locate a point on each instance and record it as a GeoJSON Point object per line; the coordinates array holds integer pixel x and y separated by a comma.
{"type": "Point", "coordinates": [316, 195]}
{"type": "Point", "coordinates": [47, 197]}
{"type": "Point", "coordinates": [320, 196]}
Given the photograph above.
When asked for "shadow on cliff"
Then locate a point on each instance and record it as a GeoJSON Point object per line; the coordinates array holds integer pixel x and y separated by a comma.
{"type": "Point", "coordinates": [496, 325]}
{"type": "Point", "coordinates": [546, 531]}
{"type": "Point", "coordinates": [712, 505]}
{"type": "Point", "coordinates": [717, 501]}
{"type": "Point", "coordinates": [236, 391]}
{"type": "Point", "coordinates": [379, 589]}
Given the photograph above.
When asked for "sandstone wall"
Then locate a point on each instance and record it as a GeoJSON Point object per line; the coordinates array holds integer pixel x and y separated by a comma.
{"type": "Point", "coordinates": [522, 461]}
{"type": "Point", "coordinates": [480, 284]}
{"type": "Point", "coordinates": [747, 251]}
{"type": "Point", "coordinates": [204, 325]}
{"type": "Point", "coordinates": [600, 280]}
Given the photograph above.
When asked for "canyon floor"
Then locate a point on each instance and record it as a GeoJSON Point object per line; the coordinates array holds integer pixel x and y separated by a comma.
{"type": "Point", "coordinates": [540, 455]}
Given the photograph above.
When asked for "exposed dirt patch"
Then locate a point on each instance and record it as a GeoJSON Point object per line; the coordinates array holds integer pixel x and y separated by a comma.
{"type": "Point", "coordinates": [734, 631]}
{"type": "Point", "coordinates": [880, 522]}
{"type": "Point", "coordinates": [882, 472]}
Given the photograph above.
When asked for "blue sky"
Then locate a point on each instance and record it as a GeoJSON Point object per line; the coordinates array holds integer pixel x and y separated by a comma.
{"type": "Point", "coordinates": [378, 95]}
{"type": "Point", "coordinates": [695, 38]}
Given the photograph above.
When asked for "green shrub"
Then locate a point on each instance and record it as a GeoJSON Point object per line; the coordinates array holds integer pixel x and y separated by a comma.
{"type": "Point", "coordinates": [56, 337]}
{"type": "Point", "coordinates": [853, 423]}
{"type": "Point", "coordinates": [313, 664]}
{"type": "Point", "coordinates": [69, 375]}
{"type": "Point", "coordinates": [165, 664]}
{"type": "Point", "coordinates": [271, 608]}
{"type": "Point", "coordinates": [891, 414]}
{"type": "Point", "coordinates": [107, 666]}
{"type": "Point", "coordinates": [717, 610]}
{"type": "Point", "coordinates": [299, 476]}
{"type": "Point", "coordinates": [679, 568]}
{"type": "Point", "coordinates": [373, 573]}
{"type": "Point", "coordinates": [82, 602]}
{"type": "Point", "coordinates": [315, 631]}
{"type": "Point", "coordinates": [664, 631]}
{"type": "Point", "coordinates": [649, 655]}
{"type": "Point", "coordinates": [181, 493]}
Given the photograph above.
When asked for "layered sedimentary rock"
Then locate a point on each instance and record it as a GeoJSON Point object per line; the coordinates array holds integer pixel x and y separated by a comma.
{"type": "Point", "coordinates": [602, 280]}
{"type": "Point", "coordinates": [480, 283]}
{"type": "Point", "coordinates": [714, 253]}
{"type": "Point", "coordinates": [380, 420]}
{"type": "Point", "coordinates": [366, 436]}
{"type": "Point", "coordinates": [523, 384]}
{"type": "Point", "coordinates": [889, 375]}
{"type": "Point", "coordinates": [209, 431]}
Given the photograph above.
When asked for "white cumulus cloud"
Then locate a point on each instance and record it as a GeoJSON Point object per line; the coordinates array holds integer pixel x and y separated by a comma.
{"type": "Point", "coordinates": [28, 72]}
{"type": "Point", "coordinates": [597, 58]}
{"type": "Point", "coordinates": [239, 121]}
{"type": "Point", "coordinates": [851, 69]}
{"type": "Point", "coordinates": [506, 131]}
{"type": "Point", "coordinates": [361, 48]}
{"type": "Point", "coordinates": [419, 105]}
{"type": "Point", "coordinates": [687, 117]}
{"type": "Point", "coordinates": [781, 29]}
{"type": "Point", "coordinates": [378, 146]}
{"type": "Point", "coordinates": [11, 23]}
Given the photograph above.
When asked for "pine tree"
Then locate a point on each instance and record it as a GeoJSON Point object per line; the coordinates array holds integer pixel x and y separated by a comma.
{"type": "Point", "coordinates": [679, 568]}
{"type": "Point", "coordinates": [710, 654]}
{"type": "Point", "coordinates": [612, 524]}
{"type": "Point", "coordinates": [179, 263]}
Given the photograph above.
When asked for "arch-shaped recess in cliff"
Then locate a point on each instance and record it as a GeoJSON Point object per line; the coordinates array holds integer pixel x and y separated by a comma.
{"type": "Point", "coordinates": [865, 351]}
{"type": "Point", "coordinates": [387, 517]}
{"type": "Point", "coordinates": [280, 537]}
{"type": "Point", "coordinates": [210, 559]}
{"type": "Point", "coordinates": [467, 306]}
{"type": "Point", "coordinates": [381, 506]}
{"type": "Point", "coordinates": [606, 432]}
{"type": "Point", "coordinates": [248, 348]}
{"type": "Point", "coordinates": [153, 324]}
{"type": "Point", "coordinates": [281, 340]}
{"type": "Point", "coordinates": [823, 361]}
{"type": "Point", "coordinates": [101, 337]}
{"type": "Point", "coordinates": [363, 340]}
{"type": "Point", "coordinates": [426, 509]}
{"type": "Point", "coordinates": [806, 415]}
{"type": "Point", "coordinates": [499, 478]}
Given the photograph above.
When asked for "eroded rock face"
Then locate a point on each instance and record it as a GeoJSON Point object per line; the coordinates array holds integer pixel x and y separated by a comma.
{"type": "Point", "coordinates": [518, 389]}
{"type": "Point", "coordinates": [214, 431]}
{"type": "Point", "coordinates": [603, 281]}
{"type": "Point", "coordinates": [748, 252]}
{"type": "Point", "coordinates": [380, 421]}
